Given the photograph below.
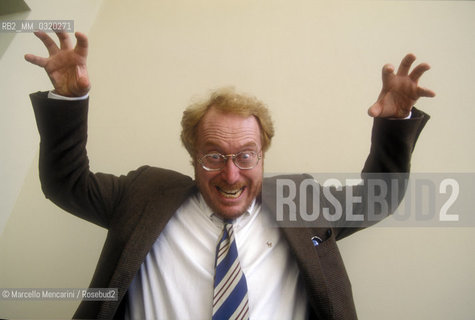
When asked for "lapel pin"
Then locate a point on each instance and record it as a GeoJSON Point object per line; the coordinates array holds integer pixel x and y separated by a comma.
{"type": "Point", "coordinates": [316, 240]}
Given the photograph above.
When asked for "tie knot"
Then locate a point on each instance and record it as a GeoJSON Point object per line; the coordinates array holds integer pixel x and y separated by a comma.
{"type": "Point", "coordinates": [228, 225]}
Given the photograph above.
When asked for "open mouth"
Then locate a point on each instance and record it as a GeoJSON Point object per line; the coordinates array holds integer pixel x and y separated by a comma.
{"type": "Point", "coordinates": [230, 193]}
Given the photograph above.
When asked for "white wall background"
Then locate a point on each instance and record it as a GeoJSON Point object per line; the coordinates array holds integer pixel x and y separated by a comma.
{"type": "Point", "coordinates": [315, 63]}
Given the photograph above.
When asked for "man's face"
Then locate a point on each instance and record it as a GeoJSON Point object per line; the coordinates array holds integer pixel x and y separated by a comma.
{"type": "Point", "coordinates": [230, 191]}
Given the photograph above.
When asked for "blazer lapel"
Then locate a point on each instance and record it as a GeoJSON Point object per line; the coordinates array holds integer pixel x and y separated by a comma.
{"type": "Point", "coordinates": [300, 242]}
{"type": "Point", "coordinates": [156, 215]}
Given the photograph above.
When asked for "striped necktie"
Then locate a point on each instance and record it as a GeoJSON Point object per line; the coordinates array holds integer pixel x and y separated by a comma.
{"type": "Point", "coordinates": [230, 288]}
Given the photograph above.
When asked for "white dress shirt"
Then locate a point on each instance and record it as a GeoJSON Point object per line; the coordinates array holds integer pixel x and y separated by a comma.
{"type": "Point", "coordinates": [176, 279]}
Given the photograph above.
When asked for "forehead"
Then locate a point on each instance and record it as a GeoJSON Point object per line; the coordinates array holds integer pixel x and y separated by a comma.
{"type": "Point", "coordinates": [221, 129]}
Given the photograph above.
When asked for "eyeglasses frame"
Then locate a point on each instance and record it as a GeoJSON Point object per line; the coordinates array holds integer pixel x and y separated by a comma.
{"type": "Point", "coordinates": [226, 157]}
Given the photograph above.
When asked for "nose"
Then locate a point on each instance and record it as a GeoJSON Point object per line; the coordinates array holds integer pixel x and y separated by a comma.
{"type": "Point", "coordinates": [230, 172]}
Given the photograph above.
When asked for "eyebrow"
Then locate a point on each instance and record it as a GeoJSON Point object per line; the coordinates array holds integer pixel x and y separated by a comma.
{"type": "Point", "coordinates": [246, 146]}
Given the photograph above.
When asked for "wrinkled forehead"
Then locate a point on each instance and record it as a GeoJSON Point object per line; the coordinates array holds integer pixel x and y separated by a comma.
{"type": "Point", "coordinates": [218, 128]}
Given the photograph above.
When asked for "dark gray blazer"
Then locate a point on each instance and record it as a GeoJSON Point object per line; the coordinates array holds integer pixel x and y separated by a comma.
{"type": "Point", "coordinates": [135, 208]}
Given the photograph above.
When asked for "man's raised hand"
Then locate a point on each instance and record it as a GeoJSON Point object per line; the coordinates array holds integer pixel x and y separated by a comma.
{"type": "Point", "coordinates": [66, 65]}
{"type": "Point", "coordinates": [401, 90]}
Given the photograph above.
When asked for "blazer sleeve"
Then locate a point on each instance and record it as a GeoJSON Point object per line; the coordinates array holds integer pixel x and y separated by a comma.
{"type": "Point", "coordinates": [64, 165]}
{"type": "Point", "coordinates": [393, 141]}
{"type": "Point", "coordinates": [389, 162]}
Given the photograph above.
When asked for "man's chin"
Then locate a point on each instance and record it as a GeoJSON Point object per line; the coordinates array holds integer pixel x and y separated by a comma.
{"type": "Point", "coordinates": [230, 213]}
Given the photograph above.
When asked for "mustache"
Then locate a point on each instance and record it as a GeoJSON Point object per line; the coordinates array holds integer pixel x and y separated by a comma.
{"type": "Point", "coordinates": [235, 186]}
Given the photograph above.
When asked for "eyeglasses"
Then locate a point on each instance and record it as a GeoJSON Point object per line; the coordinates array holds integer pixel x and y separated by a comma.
{"type": "Point", "coordinates": [244, 160]}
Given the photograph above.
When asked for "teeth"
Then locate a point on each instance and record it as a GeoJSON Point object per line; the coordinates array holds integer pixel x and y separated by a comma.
{"type": "Point", "coordinates": [231, 193]}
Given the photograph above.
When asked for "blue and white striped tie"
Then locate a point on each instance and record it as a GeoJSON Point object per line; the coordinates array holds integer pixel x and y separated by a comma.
{"type": "Point", "coordinates": [230, 288]}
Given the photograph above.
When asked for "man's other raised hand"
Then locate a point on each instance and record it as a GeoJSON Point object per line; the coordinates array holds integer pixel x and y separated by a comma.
{"type": "Point", "coordinates": [400, 90]}
{"type": "Point", "coordinates": [66, 65]}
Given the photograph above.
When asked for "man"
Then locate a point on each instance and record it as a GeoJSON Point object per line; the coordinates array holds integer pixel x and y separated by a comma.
{"type": "Point", "coordinates": [165, 228]}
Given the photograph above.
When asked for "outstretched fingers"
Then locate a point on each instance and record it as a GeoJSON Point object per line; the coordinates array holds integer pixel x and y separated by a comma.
{"type": "Point", "coordinates": [64, 40]}
{"type": "Point", "coordinates": [419, 71]}
{"type": "Point", "coordinates": [387, 75]}
{"type": "Point", "coordinates": [415, 74]}
{"type": "Point", "coordinates": [405, 65]}
{"type": "Point", "coordinates": [424, 92]}
{"type": "Point", "coordinates": [48, 42]}
{"type": "Point", "coordinates": [50, 45]}
{"type": "Point", "coordinates": [39, 61]}
{"type": "Point", "coordinates": [81, 44]}
{"type": "Point", "coordinates": [375, 110]}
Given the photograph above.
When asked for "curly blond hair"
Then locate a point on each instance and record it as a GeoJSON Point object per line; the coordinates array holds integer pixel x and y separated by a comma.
{"type": "Point", "coordinates": [229, 101]}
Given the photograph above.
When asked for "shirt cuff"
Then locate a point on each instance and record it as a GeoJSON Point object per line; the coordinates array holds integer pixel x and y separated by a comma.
{"type": "Point", "coordinates": [408, 117]}
{"type": "Point", "coordinates": [52, 95]}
